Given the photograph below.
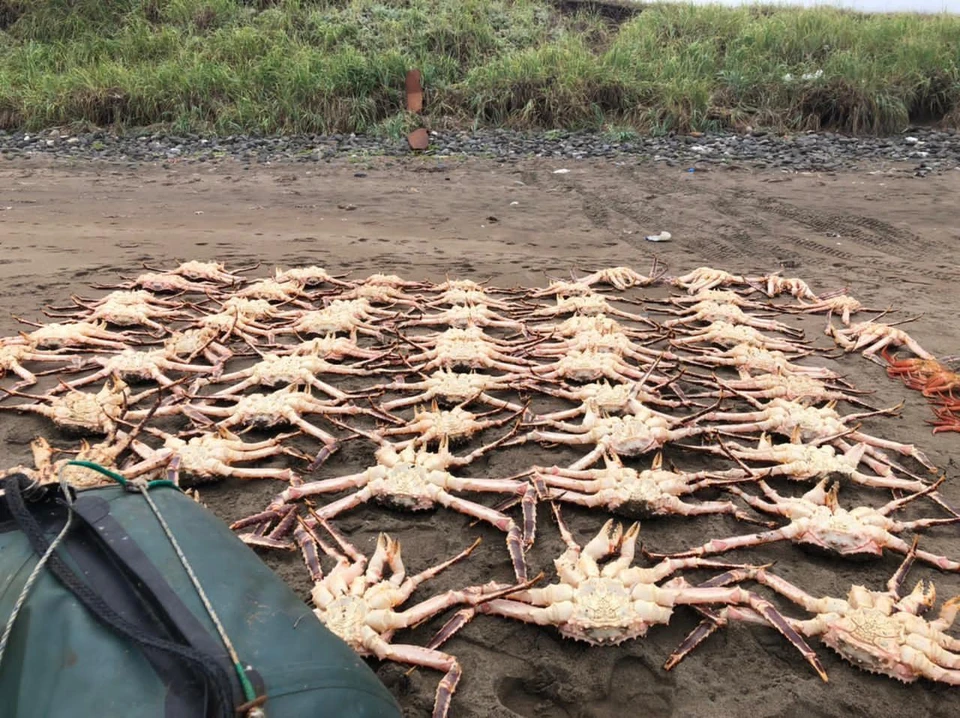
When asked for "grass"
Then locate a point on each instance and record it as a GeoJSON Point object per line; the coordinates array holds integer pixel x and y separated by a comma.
{"type": "Point", "coordinates": [319, 66]}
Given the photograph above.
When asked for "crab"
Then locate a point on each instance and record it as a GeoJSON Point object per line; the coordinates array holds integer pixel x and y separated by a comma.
{"type": "Point", "coordinates": [636, 494]}
{"type": "Point", "coordinates": [817, 520]}
{"type": "Point", "coordinates": [289, 291]}
{"type": "Point", "coordinates": [587, 366]}
{"type": "Point", "coordinates": [340, 316]}
{"type": "Point", "coordinates": [334, 348]}
{"type": "Point", "coordinates": [160, 282]}
{"type": "Point", "coordinates": [391, 280]}
{"type": "Point", "coordinates": [360, 606]}
{"type": "Point", "coordinates": [605, 397]}
{"type": "Point", "coordinates": [46, 470]}
{"type": "Point", "coordinates": [206, 271]}
{"type": "Point", "coordinates": [632, 435]}
{"type": "Point", "coordinates": [785, 416]}
{"type": "Point", "coordinates": [187, 345]}
{"type": "Point", "coordinates": [562, 288]}
{"type": "Point", "coordinates": [914, 372]}
{"type": "Point", "coordinates": [872, 337]}
{"type": "Point", "coordinates": [285, 406]}
{"type": "Point", "coordinates": [454, 388]}
{"type": "Point", "coordinates": [624, 277]}
{"type": "Point", "coordinates": [289, 369]}
{"type": "Point", "coordinates": [608, 604]}
{"type": "Point", "coordinates": [73, 334]}
{"type": "Point", "coordinates": [706, 278]}
{"type": "Point", "coordinates": [465, 315]}
{"type": "Point", "coordinates": [138, 364]}
{"type": "Point", "coordinates": [232, 323]}
{"type": "Point", "coordinates": [601, 340]}
{"type": "Point", "coordinates": [712, 311]}
{"type": "Point", "coordinates": [747, 357]}
{"type": "Point", "coordinates": [773, 285]}
{"type": "Point", "coordinates": [460, 293]}
{"type": "Point", "coordinates": [126, 311]}
{"type": "Point", "coordinates": [469, 347]}
{"type": "Point", "coordinates": [590, 304]}
{"type": "Point", "coordinates": [454, 425]}
{"type": "Point", "coordinates": [13, 354]}
{"type": "Point", "coordinates": [838, 302]}
{"type": "Point", "coordinates": [794, 387]}
{"type": "Point", "coordinates": [410, 478]}
{"type": "Point", "coordinates": [880, 632]}
{"type": "Point", "coordinates": [309, 276]}
{"type": "Point", "coordinates": [728, 335]}
{"type": "Point", "coordinates": [212, 455]}
{"type": "Point", "coordinates": [578, 324]}
{"type": "Point", "coordinates": [82, 412]}
{"type": "Point", "coordinates": [386, 294]}
{"type": "Point", "coordinates": [801, 462]}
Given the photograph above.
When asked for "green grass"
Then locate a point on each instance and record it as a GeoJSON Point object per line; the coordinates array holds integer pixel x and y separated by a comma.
{"type": "Point", "coordinates": [338, 66]}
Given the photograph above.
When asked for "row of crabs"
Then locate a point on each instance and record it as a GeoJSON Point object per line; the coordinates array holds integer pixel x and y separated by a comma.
{"type": "Point", "coordinates": [595, 341]}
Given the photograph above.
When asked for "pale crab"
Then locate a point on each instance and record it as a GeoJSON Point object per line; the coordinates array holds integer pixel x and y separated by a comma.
{"type": "Point", "coordinates": [800, 461]}
{"type": "Point", "coordinates": [212, 455]}
{"type": "Point", "coordinates": [728, 335]}
{"type": "Point", "coordinates": [454, 387]}
{"type": "Point", "coordinates": [285, 406]}
{"type": "Point", "coordinates": [838, 302]}
{"type": "Point", "coordinates": [636, 494]}
{"type": "Point", "coordinates": [46, 470]}
{"type": "Point", "coordinates": [794, 387]}
{"type": "Point", "coordinates": [624, 277]}
{"type": "Point", "coordinates": [607, 604]}
{"type": "Point", "coordinates": [334, 348]}
{"type": "Point", "coordinates": [291, 370]}
{"type": "Point", "coordinates": [708, 311]}
{"type": "Point", "coordinates": [14, 353]}
{"type": "Point", "coordinates": [748, 357]}
{"type": "Point", "coordinates": [288, 291]}
{"type": "Point", "coordinates": [125, 309]}
{"type": "Point", "coordinates": [881, 632]}
{"type": "Point", "coordinates": [465, 315]}
{"type": "Point", "coordinates": [453, 425]}
{"type": "Point", "coordinates": [460, 294]}
{"type": "Point", "coordinates": [816, 520]}
{"type": "Point", "coordinates": [384, 294]}
{"type": "Point", "coordinates": [590, 304]}
{"type": "Point", "coordinates": [82, 412]}
{"type": "Point", "coordinates": [73, 334]}
{"type": "Point", "coordinates": [604, 397]}
{"type": "Point", "coordinates": [632, 435]}
{"type": "Point", "coordinates": [873, 337]}
{"type": "Point", "coordinates": [609, 340]}
{"type": "Point", "coordinates": [588, 366]}
{"type": "Point", "coordinates": [340, 316]}
{"type": "Point", "coordinates": [785, 416]}
{"type": "Point", "coordinates": [773, 285]}
{"type": "Point", "coordinates": [469, 347]}
{"type": "Point", "coordinates": [361, 607]}
{"type": "Point", "coordinates": [411, 478]}
{"type": "Point", "coordinates": [578, 324]}
{"type": "Point", "coordinates": [188, 344]}
{"type": "Point", "coordinates": [706, 278]}
{"type": "Point", "coordinates": [143, 365]}
{"type": "Point", "coordinates": [309, 276]}
{"type": "Point", "coordinates": [206, 271]}
{"type": "Point", "coordinates": [159, 282]}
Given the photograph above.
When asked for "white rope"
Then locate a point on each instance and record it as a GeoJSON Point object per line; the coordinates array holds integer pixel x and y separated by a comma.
{"type": "Point", "coordinates": [35, 574]}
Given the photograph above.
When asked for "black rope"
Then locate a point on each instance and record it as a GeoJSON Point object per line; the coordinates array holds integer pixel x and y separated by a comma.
{"type": "Point", "coordinates": [213, 675]}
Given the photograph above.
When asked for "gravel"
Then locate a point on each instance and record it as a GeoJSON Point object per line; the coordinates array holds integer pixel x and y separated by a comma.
{"type": "Point", "coordinates": [926, 150]}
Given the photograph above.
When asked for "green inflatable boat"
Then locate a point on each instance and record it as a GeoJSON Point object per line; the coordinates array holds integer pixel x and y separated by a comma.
{"type": "Point", "coordinates": [114, 627]}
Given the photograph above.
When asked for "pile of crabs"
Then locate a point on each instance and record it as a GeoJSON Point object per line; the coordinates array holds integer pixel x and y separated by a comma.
{"type": "Point", "coordinates": [166, 373]}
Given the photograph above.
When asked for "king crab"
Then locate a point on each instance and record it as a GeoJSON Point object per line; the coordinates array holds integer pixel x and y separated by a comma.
{"type": "Point", "coordinates": [605, 605]}
{"type": "Point", "coordinates": [881, 632]}
{"type": "Point", "coordinates": [817, 520]}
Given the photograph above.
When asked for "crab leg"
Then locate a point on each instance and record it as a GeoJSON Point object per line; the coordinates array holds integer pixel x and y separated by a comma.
{"type": "Point", "coordinates": [495, 518]}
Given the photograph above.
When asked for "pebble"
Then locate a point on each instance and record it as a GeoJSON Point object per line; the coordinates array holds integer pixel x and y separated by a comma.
{"type": "Point", "coordinates": [822, 151]}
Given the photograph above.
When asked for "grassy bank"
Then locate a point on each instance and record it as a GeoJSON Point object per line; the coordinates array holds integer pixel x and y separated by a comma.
{"type": "Point", "coordinates": [336, 65]}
